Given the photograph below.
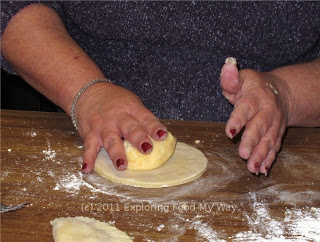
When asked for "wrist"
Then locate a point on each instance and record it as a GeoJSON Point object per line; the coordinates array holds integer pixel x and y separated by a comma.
{"type": "Point", "coordinates": [302, 81]}
{"type": "Point", "coordinates": [283, 90]}
{"type": "Point", "coordinates": [78, 96]}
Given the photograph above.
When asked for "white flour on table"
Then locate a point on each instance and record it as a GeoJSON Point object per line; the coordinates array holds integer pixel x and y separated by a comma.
{"type": "Point", "coordinates": [296, 223]}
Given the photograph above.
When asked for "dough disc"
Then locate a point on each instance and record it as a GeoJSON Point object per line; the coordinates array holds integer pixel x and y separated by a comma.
{"type": "Point", "coordinates": [186, 164]}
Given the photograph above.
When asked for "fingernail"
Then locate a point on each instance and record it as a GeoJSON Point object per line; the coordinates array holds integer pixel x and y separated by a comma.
{"type": "Point", "coordinates": [267, 170]}
{"type": "Point", "coordinates": [161, 133]}
{"type": "Point", "coordinates": [84, 166]}
{"type": "Point", "coordinates": [257, 167]}
{"type": "Point", "coordinates": [231, 60]}
{"type": "Point", "coordinates": [146, 147]}
{"type": "Point", "coordinates": [248, 152]}
{"type": "Point", "coordinates": [120, 162]}
{"type": "Point", "coordinates": [233, 132]}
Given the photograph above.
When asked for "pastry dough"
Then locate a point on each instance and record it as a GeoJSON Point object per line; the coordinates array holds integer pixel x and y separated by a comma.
{"type": "Point", "coordinates": [186, 164]}
{"type": "Point", "coordinates": [84, 229]}
{"type": "Point", "coordinates": [161, 152]}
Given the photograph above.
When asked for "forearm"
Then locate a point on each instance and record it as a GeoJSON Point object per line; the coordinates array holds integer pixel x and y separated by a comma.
{"type": "Point", "coordinates": [40, 49]}
{"type": "Point", "coordinates": [303, 81]}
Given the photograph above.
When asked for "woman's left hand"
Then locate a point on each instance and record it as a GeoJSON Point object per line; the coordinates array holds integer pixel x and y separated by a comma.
{"type": "Point", "coordinates": [261, 105]}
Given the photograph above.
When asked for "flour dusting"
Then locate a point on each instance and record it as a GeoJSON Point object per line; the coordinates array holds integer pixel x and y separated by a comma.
{"type": "Point", "coordinates": [297, 225]}
{"type": "Point", "coordinates": [204, 230]}
{"type": "Point", "coordinates": [70, 183]}
{"type": "Point", "coordinates": [50, 154]}
{"type": "Point", "coordinates": [300, 221]}
{"type": "Point", "coordinates": [160, 227]}
{"type": "Point", "coordinates": [304, 224]}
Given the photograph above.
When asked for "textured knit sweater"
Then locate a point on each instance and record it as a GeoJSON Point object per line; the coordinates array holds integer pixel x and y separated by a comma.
{"type": "Point", "coordinates": [171, 53]}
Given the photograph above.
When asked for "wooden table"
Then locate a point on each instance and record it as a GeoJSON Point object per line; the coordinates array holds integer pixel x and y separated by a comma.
{"type": "Point", "coordinates": [41, 162]}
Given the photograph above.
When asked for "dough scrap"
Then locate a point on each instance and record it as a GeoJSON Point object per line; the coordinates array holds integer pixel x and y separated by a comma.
{"type": "Point", "coordinates": [161, 152]}
{"type": "Point", "coordinates": [84, 229]}
{"type": "Point", "coordinates": [186, 164]}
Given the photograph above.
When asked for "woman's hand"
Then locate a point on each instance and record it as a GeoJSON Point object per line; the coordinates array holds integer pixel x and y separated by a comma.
{"type": "Point", "coordinates": [261, 106]}
{"type": "Point", "coordinates": [106, 114]}
{"type": "Point", "coordinates": [53, 63]}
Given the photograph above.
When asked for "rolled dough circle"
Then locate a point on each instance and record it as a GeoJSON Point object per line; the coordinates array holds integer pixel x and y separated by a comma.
{"type": "Point", "coordinates": [186, 164]}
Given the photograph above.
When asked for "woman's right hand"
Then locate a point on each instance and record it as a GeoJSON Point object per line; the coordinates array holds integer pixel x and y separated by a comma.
{"type": "Point", "coordinates": [106, 114]}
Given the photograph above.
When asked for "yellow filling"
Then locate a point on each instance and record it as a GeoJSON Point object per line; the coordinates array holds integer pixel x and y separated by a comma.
{"type": "Point", "coordinates": [161, 152]}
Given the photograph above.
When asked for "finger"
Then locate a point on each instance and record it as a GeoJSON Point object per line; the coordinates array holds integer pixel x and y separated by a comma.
{"type": "Point", "coordinates": [244, 110]}
{"type": "Point", "coordinates": [134, 133]}
{"type": "Point", "coordinates": [151, 124]}
{"type": "Point", "coordinates": [92, 145]}
{"type": "Point", "coordinates": [114, 146]}
{"type": "Point", "coordinates": [262, 127]}
{"type": "Point", "coordinates": [229, 80]}
{"type": "Point", "coordinates": [263, 148]}
{"type": "Point", "coordinates": [267, 162]}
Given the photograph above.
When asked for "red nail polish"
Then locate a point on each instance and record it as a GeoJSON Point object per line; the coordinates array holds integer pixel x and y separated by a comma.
{"type": "Point", "coordinates": [257, 167]}
{"type": "Point", "coordinates": [84, 166]}
{"type": "Point", "coordinates": [161, 133]}
{"type": "Point", "coordinates": [120, 162]}
{"type": "Point", "coordinates": [146, 146]}
{"type": "Point", "coordinates": [233, 132]}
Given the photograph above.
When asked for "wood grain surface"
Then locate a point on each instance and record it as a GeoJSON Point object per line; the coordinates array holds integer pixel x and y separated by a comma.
{"type": "Point", "coordinates": [41, 158]}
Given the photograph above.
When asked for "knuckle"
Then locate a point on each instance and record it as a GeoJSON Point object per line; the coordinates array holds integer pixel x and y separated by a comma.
{"type": "Point", "coordinates": [145, 116]}
{"type": "Point", "coordinates": [91, 140]}
{"type": "Point", "coordinates": [271, 137]}
{"type": "Point", "coordinates": [261, 126]}
{"type": "Point", "coordinates": [130, 127]}
{"type": "Point", "coordinates": [245, 108]}
{"type": "Point", "coordinates": [151, 123]}
{"type": "Point", "coordinates": [269, 142]}
{"type": "Point", "coordinates": [241, 105]}
{"type": "Point", "coordinates": [109, 139]}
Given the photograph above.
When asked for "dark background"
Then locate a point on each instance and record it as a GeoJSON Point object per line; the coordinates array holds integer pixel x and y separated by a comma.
{"type": "Point", "coordinates": [16, 94]}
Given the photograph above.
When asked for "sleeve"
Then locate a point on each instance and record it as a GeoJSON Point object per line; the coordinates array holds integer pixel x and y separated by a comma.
{"type": "Point", "coordinates": [10, 8]}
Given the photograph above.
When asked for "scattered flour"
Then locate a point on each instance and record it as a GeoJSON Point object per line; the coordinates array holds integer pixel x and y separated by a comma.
{"type": "Point", "coordinates": [49, 153]}
{"type": "Point", "coordinates": [303, 224]}
{"type": "Point", "coordinates": [294, 224]}
{"type": "Point", "coordinates": [204, 231]}
{"type": "Point", "coordinates": [160, 227]}
{"type": "Point", "coordinates": [50, 173]}
{"type": "Point", "coordinates": [70, 183]}
{"type": "Point", "coordinates": [297, 225]}
{"type": "Point", "coordinates": [31, 133]}
{"type": "Point", "coordinates": [34, 134]}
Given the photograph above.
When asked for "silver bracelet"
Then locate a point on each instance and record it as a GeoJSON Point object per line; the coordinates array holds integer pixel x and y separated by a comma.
{"type": "Point", "coordinates": [75, 101]}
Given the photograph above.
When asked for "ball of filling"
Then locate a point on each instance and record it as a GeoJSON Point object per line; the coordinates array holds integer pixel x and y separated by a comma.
{"type": "Point", "coordinates": [161, 152]}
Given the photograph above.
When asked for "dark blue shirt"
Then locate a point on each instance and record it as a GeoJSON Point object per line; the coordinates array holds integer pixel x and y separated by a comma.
{"type": "Point", "coordinates": [171, 53]}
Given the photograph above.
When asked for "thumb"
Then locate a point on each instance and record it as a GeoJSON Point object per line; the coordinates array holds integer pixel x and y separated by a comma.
{"type": "Point", "coordinates": [229, 79]}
